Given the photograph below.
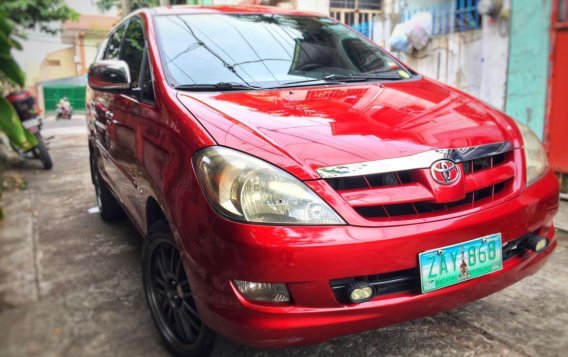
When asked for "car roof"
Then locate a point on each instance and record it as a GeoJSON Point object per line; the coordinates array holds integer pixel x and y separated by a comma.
{"type": "Point", "coordinates": [236, 9]}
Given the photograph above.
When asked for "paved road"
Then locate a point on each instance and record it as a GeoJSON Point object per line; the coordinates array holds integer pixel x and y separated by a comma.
{"type": "Point", "coordinates": [79, 290]}
{"type": "Point", "coordinates": [75, 126]}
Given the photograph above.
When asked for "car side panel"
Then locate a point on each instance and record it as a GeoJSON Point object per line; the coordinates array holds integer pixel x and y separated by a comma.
{"type": "Point", "coordinates": [166, 137]}
{"type": "Point", "coordinates": [122, 151]}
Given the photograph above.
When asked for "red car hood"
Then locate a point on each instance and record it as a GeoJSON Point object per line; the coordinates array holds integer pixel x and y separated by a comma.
{"type": "Point", "coordinates": [304, 129]}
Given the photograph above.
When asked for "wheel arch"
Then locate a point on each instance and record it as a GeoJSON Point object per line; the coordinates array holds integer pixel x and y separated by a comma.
{"type": "Point", "coordinates": [154, 213]}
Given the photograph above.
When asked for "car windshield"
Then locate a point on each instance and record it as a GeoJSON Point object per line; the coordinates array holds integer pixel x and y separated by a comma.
{"type": "Point", "coordinates": [248, 51]}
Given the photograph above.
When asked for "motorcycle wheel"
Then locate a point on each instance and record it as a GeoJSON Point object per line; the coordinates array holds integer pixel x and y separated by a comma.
{"type": "Point", "coordinates": [42, 153]}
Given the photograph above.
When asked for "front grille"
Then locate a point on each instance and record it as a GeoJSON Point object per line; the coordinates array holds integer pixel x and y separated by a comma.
{"type": "Point", "coordinates": [370, 181]}
{"type": "Point", "coordinates": [408, 209]}
{"type": "Point", "coordinates": [408, 194]}
{"type": "Point", "coordinates": [409, 280]}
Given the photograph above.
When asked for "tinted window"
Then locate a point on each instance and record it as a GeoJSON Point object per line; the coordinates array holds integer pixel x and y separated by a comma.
{"type": "Point", "coordinates": [264, 50]}
{"type": "Point", "coordinates": [133, 49]}
{"type": "Point", "coordinates": [147, 84]}
{"type": "Point", "coordinates": [113, 47]}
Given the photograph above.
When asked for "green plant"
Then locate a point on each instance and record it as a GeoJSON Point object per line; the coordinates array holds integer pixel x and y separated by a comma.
{"type": "Point", "coordinates": [16, 18]}
{"type": "Point", "coordinates": [10, 72]}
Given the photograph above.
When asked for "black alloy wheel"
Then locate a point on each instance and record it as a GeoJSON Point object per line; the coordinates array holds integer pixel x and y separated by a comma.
{"type": "Point", "coordinates": [170, 298]}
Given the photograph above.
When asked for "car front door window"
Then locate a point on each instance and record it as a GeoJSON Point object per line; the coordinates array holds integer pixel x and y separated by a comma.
{"type": "Point", "coordinates": [132, 49]}
{"type": "Point", "coordinates": [113, 46]}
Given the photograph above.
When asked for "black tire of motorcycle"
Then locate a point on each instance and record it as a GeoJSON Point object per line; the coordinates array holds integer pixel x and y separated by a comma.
{"type": "Point", "coordinates": [43, 153]}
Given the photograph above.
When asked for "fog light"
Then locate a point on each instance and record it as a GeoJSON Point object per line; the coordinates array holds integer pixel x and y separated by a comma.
{"type": "Point", "coordinates": [268, 292]}
{"type": "Point", "coordinates": [536, 243]}
{"type": "Point", "coordinates": [359, 292]}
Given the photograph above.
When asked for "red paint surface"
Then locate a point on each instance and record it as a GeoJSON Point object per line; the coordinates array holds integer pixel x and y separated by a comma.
{"type": "Point", "coordinates": [303, 129]}
{"type": "Point", "coordinates": [557, 126]}
{"type": "Point", "coordinates": [149, 147]}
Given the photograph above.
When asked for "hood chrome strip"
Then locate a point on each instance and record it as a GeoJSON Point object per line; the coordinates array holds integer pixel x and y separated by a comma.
{"type": "Point", "coordinates": [417, 161]}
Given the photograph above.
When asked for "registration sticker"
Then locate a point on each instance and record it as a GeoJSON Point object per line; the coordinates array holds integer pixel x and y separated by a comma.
{"type": "Point", "coordinates": [453, 264]}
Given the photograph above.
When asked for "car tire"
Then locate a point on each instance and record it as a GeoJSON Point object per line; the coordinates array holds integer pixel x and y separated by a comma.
{"type": "Point", "coordinates": [109, 207]}
{"type": "Point", "coordinates": [170, 298]}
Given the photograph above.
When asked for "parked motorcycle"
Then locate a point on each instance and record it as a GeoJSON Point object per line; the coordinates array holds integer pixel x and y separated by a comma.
{"type": "Point", "coordinates": [64, 109]}
{"type": "Point", "coordinates": [22, 125]}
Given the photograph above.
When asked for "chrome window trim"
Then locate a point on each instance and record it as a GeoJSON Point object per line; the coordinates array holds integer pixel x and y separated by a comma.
{"type": "Point", "coordinates": [421, 160]}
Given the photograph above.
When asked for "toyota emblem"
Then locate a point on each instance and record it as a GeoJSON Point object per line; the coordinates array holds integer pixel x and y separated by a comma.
{"type": "Point", "coordinates": [445, 172]}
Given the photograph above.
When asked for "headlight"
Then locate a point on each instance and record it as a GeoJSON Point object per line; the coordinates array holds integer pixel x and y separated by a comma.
{"type": "Point", "coordinates": [248, 189]}
{"type": "Point", "coordinates": [535, 155]}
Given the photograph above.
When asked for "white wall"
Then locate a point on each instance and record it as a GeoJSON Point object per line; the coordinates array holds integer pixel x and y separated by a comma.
{"type": "Point", "coordinates": [454, 59]}
{"type": "Point", "coordinates": [473, 61]}
{"type": "Point", "coordinates": [320, 6]}
{"type": "Point", "coordinates": [495, 61]}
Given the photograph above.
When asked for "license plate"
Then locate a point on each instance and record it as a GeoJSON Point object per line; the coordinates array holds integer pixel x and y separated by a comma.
{"type": "Point", "coordinates": [31, 123]}
{"type": "Point", "coordinates": [453, 264]}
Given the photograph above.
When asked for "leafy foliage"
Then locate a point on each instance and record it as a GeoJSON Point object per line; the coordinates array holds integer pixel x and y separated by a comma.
{"type": "Point", "coordinates": [45, 14]}
{"type": "Point", "coordinates": [16, 18]}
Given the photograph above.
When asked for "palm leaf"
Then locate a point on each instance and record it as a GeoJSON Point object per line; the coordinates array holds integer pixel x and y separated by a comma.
{"type": "Point", "coordinates": [12, 71]}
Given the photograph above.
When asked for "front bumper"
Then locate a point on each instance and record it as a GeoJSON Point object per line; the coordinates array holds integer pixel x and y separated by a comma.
{"type": "Point", "coordinates": [308, 258]}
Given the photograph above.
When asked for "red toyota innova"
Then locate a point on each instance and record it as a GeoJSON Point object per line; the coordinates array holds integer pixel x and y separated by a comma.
{"type": "Point", "coordinates": [294, 182]}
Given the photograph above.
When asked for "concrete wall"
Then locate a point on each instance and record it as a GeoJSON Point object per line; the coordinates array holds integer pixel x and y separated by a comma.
{"type": "Point", "coordinates": [320, 6]}
{"type": "Point", "coordinates": [528, 64]}
{"type": "Point", "coordinates": [454, 59]}
{"type": "Point", "coordinates": [59, 64]}
{"type": "Point", "coordinates": [473, 61]}
{"type": "Point", "coordinates": [494, 61]}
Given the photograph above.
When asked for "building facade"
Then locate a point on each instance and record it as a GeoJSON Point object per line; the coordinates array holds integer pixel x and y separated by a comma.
{"type": "Point", "coordinates": [514, 58]}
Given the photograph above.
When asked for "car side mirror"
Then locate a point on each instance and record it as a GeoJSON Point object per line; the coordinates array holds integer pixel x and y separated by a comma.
{"type": "Point", "coordinates": [109, 76]}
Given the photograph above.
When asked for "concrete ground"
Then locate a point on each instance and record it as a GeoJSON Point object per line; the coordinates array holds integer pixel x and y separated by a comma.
{"type": "Point", "coordinates": [70, 285]}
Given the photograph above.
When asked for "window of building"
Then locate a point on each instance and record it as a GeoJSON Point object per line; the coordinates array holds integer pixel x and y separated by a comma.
{"type": "Point", "coordinates": [54, 63]}
{"type": "Point", "coordinates": [448, 16]}
{"type": "Point", "coordinates": [356, 4]}
{"type": "Point", "coordinates": [466, 16]}
{"type": "Point", "coordinates": [358, 14]}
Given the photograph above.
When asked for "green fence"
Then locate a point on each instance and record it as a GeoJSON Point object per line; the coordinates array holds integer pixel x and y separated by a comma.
{"type": "Point", "coordinates": [75, 95]}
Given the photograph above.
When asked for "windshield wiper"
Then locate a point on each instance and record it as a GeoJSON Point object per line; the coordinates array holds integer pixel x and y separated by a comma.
{"type": "Point", "coordinates": [367, 77]}
{"type": "Point", "coordinates": [221, 86]}
{"type": "Point", "coordinates": [329, 78]}
{"type": "Point", "coordinates": [342, 78]}
{"type": "Point", "coordinates": [347, 78]}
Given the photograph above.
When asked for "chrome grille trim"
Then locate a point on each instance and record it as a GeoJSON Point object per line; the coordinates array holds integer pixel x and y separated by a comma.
{"type": "Point", "coordinates": [417, 161]}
